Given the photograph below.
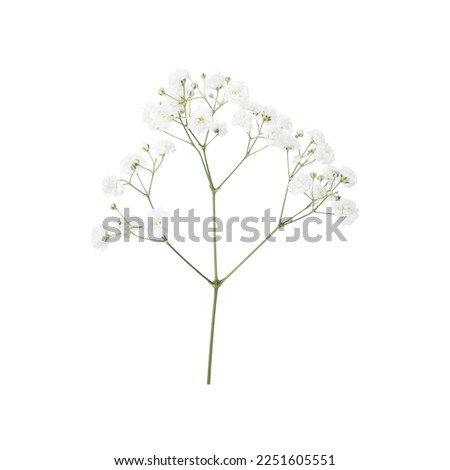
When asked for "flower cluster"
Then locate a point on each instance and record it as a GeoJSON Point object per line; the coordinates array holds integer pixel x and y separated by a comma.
{"type": "Point", "coordinates": [192, 108]}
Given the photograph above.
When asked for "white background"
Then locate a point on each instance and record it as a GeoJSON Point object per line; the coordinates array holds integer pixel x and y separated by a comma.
{"type": "Point", "coordinates": [329, 348]}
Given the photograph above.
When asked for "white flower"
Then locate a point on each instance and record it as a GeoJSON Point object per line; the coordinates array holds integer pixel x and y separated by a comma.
{"type": "Point", "coordinates": [235, 91]}
{"type": "Point", "coordinates": [163, 147]}
{"type": "Point", "coordinates": [285, 122]}
{"type": "Point", "coordinates": [280, 138]}
{"type": "Point", "coordinates": [331, 173]}
{"type": "Point", "coordinates": [290, 142]}
{"type": "Point", "coordinates": [175, 91]}
{"type": "Point", "coordinates": [274, 135]}
{"type": "Point", "coordinates": [215, 81]}
{"type": "Point", "coordinates": [158, 115]}
{"type": "Point", "coordinates": [158, 219]}
{"type": "Point", "coordinates": [178, 76]}
{"type": "Point", "coordinates": [297, 159]}
{"type": "Point", "coordinates": [346, 175]}
{"type": "Point", "coordinates": [251, 106]}
{"type": "Point", "coordinates": [300, 184]}
{"type": "Point", "coordinates": [346, 208]}
{"type": "Point", "coordinates": [317, 136]}
{"type": "Point", "coordinates": [99, 238]}
{"type": "Point", "coordinates": [174, 96]}
{"type": "Point", "coordinates": [349, 177]}
{"type": "Point", "coordinates": [220, 128]}
{"type": "Point", "coordinates": [269, 115]}
{"type": "Point", "coordinates": [133, 163]}
{"type": "Point", "coordinates": [323, 153]}
{"type": "Point", "coordinates": [200, 119]}
{"type": "Point", "coordinates": [112, 186]}
{"type": "Point", "coordinates": [319, 192]}
{"type": "Point", "coordinates": [244, 119]}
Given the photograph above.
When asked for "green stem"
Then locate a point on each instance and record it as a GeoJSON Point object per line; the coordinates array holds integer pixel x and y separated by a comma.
{"type": "Point", "coordinates": [216, 284]}
{"type": "Point", "coordinates": [211, 337]}
{"type": "Point", "coordinates": [284, 201]}
{"type": "Point", "coordinates": [251, 253]}
{"type": "Point", "coordinates": [248, 152]}
{"type": "Point", "coordinates": [187, 262]}
{"type": "Point", "coordinates": [216, 278]}
{"type": "Point", "coordinates": [232, 173]}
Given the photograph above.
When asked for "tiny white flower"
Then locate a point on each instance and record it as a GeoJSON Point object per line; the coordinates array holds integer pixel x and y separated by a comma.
{"type": "Point", "coordinates": [99, 238]}
{"type": "Point", "coordinates": [163, 147]}
{"type": "Point", "coordinates": [215, 81]}
{"type": "Point", "coordinates": [112, 186]}
{"type": "Point", "coordinates": [174, 97]}
{"type": "Point", "coordinates": [300, 184]}
{"type": "Point", "coordinates": [285, 122]}
{"type": "Point", "coordinates": [319, 192]}
{"type": "Point", "coordinates": [235, 91]}
{"type": "Point", "coordinates": [251, 106]}
{"type": "Point", "coordinates": [200, 119]}
{"type": "Point", "coordinates": [158, 115]}
{"type": "Point", "coordinates": [178, 76]}
{"type": "Point", "coordinates": [323, 153]}
{"type": "Point", "coordinates": [274, 135]}
{"type": "Point", "coordinates": [244, 119]}
{"type": "Point", "coordinates": [158, 219]}
{"type": "Point", "coordinates": [269, 115]}
{"type": "Point", "coordinates": [346, 175]}
{"type": "Point", "coordinates": [331, 173]}
{"type": "Point", "coordinates": [175, 91]}
{"type": "Point", "coordinates": [278, 137]}
{"type": "Point", "coordinates": [220, 128]}
{"type": "Point", "coordinates": [349, 177]}
{"type": "Point", "coordinates": [347, 209]}
{"type": "Point", "coordinates": [133, 162]}
{"type": "Point", "coordinates": [290, 142]}
{"type": "Point", "coordinates": [317, 136]}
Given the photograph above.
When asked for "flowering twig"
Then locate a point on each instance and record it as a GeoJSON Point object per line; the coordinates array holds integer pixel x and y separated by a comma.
{"type": "Point", "coordinates": [181, 104]}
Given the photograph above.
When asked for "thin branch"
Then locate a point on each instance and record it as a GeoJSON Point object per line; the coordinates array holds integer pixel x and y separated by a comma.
{"type": "Point", "coordinates": [187, 262]}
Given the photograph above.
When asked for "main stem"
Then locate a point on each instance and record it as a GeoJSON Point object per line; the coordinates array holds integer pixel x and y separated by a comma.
{"type": "Point", "coordinates": [211, 337]}
{"type": "Point", "coordinates": [216, 285]}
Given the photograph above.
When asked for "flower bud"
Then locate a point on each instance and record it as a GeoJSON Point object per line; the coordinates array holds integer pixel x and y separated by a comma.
{"type": "Point", "coordinates": [313, 175]}
{"type": "Point", "coordinates": [203, 75]}
{"type": "Point", "coordinates": [145, 147]}
{"type": "Point", "coordinates": [161, 92]}
{"type": "Point", "coordinates": [299, 133]}
{"type": "Point", "coordinates": [113, 206]}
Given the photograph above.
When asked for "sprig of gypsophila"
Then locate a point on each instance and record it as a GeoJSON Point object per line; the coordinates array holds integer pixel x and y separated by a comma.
{"type": "Point", "coordinates": [188, 113]}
